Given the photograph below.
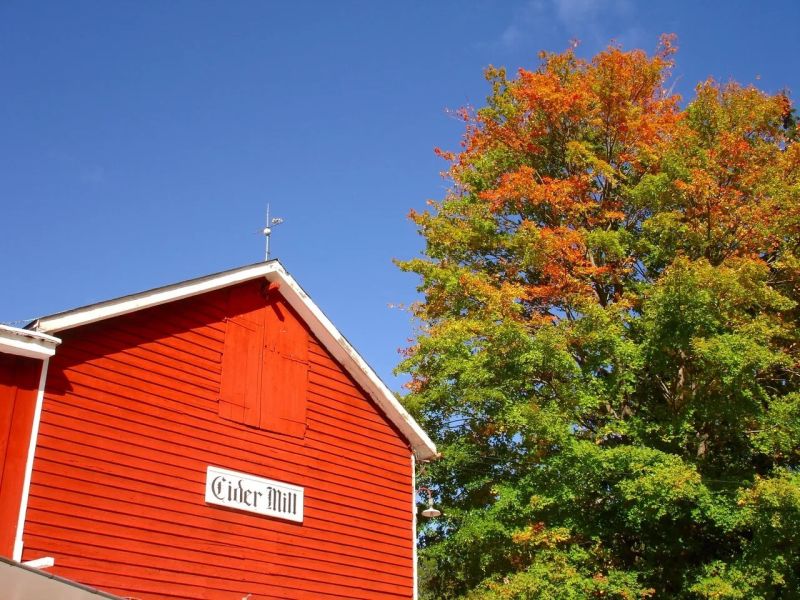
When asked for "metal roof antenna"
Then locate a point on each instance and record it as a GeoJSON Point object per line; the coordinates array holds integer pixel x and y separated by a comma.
{"type": "Point", "coordinates": [267, 231]}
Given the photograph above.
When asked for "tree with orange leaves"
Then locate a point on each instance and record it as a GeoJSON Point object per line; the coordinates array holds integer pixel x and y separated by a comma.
{"type": "Point", "coordinates": [608, 345]}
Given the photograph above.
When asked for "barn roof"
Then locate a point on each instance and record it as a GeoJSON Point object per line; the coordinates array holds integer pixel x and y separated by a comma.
{"type": "Point", "coordinates": [320, 325]}
{"type": "Point", "coordinates": [21, 582]}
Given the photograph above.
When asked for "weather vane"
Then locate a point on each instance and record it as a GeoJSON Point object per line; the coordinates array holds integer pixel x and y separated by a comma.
{"type": "Point", "coordinates": [267, 231]}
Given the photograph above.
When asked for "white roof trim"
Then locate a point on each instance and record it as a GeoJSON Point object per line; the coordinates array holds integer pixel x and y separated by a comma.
{"type": "Point", "coordinates": [273, 271]}
{"type": "Point", "coordinates": [142, 300]}
{"type": "Point", "coordinates": [23, 342]}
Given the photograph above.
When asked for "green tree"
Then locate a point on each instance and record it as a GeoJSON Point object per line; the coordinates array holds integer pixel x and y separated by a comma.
{"type": "Point", "coordinates": [608, 345]}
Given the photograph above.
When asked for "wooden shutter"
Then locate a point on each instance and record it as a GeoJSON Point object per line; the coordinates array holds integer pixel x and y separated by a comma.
{"type": "Point", "coordinates": [264, 363]}
{"type": "Point", "coordinates": [240, 389]}
{"type": "Point", "coordinates": [285, 373]}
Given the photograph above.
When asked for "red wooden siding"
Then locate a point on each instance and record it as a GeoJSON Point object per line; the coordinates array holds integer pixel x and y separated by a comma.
{"type": "Point", "coordinates": [19, 381]}
{"type": "Point", "coordinates": [131, 420]}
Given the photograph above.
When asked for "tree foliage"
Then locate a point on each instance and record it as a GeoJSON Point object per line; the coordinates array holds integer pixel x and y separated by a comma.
{"type": "Point", "coordinates": [608, 346]}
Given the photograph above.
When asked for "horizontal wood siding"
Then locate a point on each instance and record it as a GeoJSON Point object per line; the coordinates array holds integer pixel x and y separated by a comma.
{"type": "Point", "coordinates": [19, 383]}
{"type": "Point", "coordinates": [129, 425]}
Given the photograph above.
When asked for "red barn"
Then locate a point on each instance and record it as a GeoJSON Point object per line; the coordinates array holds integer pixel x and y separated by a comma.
{"type": "Point", "coordinates": [217, 438]}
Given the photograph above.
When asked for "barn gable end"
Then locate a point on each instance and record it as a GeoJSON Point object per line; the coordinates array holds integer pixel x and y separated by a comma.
{"type": "Point", "coordinates": [141, 402]}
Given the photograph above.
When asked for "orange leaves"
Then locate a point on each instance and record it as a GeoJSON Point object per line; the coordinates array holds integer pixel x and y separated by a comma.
{"type": "Point", "coordinates": [448, 156]}
{"type": "Point", "coordinates": [556, 96]}
{"type": "Point", "coordinates": [614, 107]}
{"type": "Point", "coordinates": [736, 149]}
{"type": "Point", "coordinates": [565, 271]}
{"type": "Point", "coordinates": [524, 191]}
{"type": "Point", "coordinates": [582, 178]}
{"type": "Point", "coordinates": [633, 111]}
{"type": "Point", "coordinates": [667, 46]}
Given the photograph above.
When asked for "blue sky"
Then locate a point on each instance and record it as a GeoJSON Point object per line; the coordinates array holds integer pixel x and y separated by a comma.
{"type": "Point", "coordinates": [140, 141]}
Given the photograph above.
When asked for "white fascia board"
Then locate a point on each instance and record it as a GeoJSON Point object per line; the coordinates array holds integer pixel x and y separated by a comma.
{"type": "Point", "coordinates": [132, 303]}
{"type": "Point", "coordinates": [320, 325]}
{"type": "Point", "coordinates": [40, 563]}
{"type": "Point", "coordinates": [26, 484]}
{"type": "Point", "coordinates": [337, 344]}
{"type": "Point", "coordinates": [23, 342]}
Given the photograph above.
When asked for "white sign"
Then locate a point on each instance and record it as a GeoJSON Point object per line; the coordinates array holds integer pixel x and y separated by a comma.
{"type": "Point", "coordinates": [254, 494]}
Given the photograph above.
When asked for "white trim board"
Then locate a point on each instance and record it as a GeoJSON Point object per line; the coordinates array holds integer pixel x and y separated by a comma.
{"type": "Point", "coordinates": [32, 444]}
{"type": "Point", "coordinates": [24, 342]}
{"type": "Point", "coordinates": [320, 325]}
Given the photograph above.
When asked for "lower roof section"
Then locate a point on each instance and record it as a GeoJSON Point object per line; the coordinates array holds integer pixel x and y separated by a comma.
{"type": "Point", "coordinates": [20, 582]}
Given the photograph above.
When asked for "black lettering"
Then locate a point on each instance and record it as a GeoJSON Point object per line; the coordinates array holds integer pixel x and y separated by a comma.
{"type": "Point", "coordinates": [216, 487]}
